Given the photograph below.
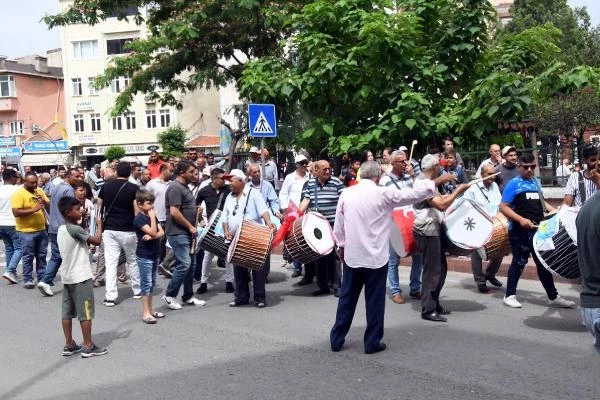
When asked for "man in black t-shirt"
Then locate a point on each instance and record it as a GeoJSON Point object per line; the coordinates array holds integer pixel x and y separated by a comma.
{"type": "Point", "coordinates": [181, 231]}
{"type": "Point", "coordinates": [116, 200]}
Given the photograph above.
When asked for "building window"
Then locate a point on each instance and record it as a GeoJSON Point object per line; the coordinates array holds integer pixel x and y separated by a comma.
{"type": "Point", "coordinates": [76, 85]}
{"type": "Point", "coordinates": [1, 128]}
{"type": "Point", "coordinates": [129, 121]}
{"type": "Point", "coordinates": [7, 86]}
{"type": "Point", "coordinates": [117, 85]}
{"type": "Point", "coordinates": [95, 119]}
{"type": "Point", "coordinates": [78, 122]}
{"type": "Point", "coordinates": [165, 118]}
{"type": "Point", "coordinates": [117, 46]}
{"type": "Point", "coordinates": [92, 91]}
{"type": "Point", "coordinates": [85, 49]}
{"type": "Point", "coordinates": [117, 123]}
{"type": "Point", "coordinates": [123, 11]}
{"type": "Point", "coordinates": [16, 127]}
{"type": "Point", "coordinates": [150, 119]}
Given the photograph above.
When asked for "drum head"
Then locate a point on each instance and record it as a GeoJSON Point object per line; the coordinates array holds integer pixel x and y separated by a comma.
{"type": "Point", "coordinates": [468, 226]}
{"type": "Point", "coordinates": [568, 216]}
{"type": "Point", "coordinates": [214, 219]}
{"type": "Point", "coordinates": [317, 233]}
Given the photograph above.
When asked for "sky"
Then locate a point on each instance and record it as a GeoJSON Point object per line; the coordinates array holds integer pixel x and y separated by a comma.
{"type": "Point", "coordinates": [21, 33]}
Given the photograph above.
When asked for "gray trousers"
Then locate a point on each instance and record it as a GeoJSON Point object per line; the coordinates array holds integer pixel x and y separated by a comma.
{"type": "Point", "coordinates": [491, 270]}
{"type": "Point", "coordinates": [435, 270]}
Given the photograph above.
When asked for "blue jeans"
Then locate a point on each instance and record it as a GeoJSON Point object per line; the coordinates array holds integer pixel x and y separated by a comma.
{"type": "Point", "coordinates": [148, 269]}
{"type": "Point", "coordinates": [352, 283]}
{"type": "Point", "coordinates": [55, 260]}
{"type": "Point", "coordinates": [12, 248]}
{"type": "Point", "coordinates": [184, 271]}
{"type": "Point", "coordinates": [522, 247]}
{"type": "Point", "coordinates": [415, 273]}
{"type": "Point", "coordinates": [35, 245]}
{"type": "Point", "coordinates": [591, 319]}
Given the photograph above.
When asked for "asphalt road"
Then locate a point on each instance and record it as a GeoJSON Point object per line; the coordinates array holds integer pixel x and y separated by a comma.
{"type": "Point", "coordinates": [485, 351]}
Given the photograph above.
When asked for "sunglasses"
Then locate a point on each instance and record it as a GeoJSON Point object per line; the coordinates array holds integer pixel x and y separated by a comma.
{"type": "Point", "coordinates": [327, 169]}
{"type": "Point", "coordinates": [528, 167]}
{"type": "Point", "coordinates": [304, 164]}
{"type": "Point", "coordinates": [235, 209]}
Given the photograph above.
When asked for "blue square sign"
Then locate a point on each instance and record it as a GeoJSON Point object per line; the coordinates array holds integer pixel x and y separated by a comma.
{"type": "Point", "coordinates": [261, 120]}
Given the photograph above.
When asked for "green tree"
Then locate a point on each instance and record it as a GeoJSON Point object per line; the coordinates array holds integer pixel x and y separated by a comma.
{"type": "Point", "coordinates": [114, 153]}
{"type": "Point", "coordinates": [580, 43]}
{"type": "Point", "coordinates": [172, 141]}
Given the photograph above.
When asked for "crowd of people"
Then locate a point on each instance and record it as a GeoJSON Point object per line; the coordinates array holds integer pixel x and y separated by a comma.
{"type": "Point", "coordinates": [124, 224]}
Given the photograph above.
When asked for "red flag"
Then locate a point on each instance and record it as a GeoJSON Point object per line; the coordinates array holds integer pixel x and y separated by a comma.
{"type": "Point", "coordinates": [291, 214]}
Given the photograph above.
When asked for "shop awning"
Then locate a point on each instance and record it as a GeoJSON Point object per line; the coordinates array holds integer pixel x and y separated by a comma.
{"type": "Point", "coordinates": [46, 159]}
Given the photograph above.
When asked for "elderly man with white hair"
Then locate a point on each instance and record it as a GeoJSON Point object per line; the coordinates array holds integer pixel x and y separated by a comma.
{"type": "Point", "coordinates": [427, 230]}
{"type": "Point", "coordinates": [364, 252]}
{"type": "Point", "coordinates": [245, 202]}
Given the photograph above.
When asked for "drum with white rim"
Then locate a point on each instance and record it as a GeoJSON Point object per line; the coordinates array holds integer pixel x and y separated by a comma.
{"type": "Point", "coordinates": [310, 238]}
{"type": "Point", "coordinates": [212, 238]}
{"type": "Point", "coordinates": [555, 243]}
{"type": "Point", "coordinates": [250, 246]}
{"type": "Point", "coordinates": [466, 227]}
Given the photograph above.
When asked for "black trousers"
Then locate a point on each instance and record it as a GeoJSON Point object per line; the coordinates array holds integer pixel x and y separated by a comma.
{"type": "Point", "coordinates": [327, 271]}
{"type": "Point", "coordinates": [435, 270]}
{"type": "Point", "coordinates": [374, 282]}
{"type": "Point", "coordinates": [242, 280]}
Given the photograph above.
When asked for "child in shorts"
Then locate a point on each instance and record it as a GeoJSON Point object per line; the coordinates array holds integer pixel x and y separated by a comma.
{"type": "Point", "coordinates": [148, 232]}
{"type": "Point", "coordinates": [76, 273]}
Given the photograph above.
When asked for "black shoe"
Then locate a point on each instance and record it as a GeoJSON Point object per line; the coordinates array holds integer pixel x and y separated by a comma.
{"type": "Point", "coordinates": [260, 304]}
{"type": "Point", "coordinates": [482, 287]}
{"type": "Point", "coordinates": [229, 287]}
{"type": "Point", "coordinates": [221, 263]}
{"type": "Point", "coordinates": [435, 317]}
{"type": "Point", "coordinates": [494, 281]}
{"type": "Point", "coordinates": [416, 295]}
{"type": "Point", "coordinates": [296, 274]}
{"type": "Point", "coordinates": [304, 281]}
{"type": "Point", "coordinates": [321, 292]}
{"type": "Point", "coordinates": [442, 311]}
{"type": "Point", "coordinates": [202, 288]}
{"type": "Point", "coordinates": [237, 304]}
{"type": "Point", "coordinates": [379, 348]}
{"type": "Point", "coordinates": [337, 348]}
{"type": "Point", "coordinates": [336, 292]}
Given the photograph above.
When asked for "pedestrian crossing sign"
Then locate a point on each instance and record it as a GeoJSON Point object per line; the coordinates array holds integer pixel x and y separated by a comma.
{"type": "Point", "coordinates": [261, 120]}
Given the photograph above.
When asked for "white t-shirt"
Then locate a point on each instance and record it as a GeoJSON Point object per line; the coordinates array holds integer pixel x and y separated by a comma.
{"type": "Point", "coordinates": [74, 251]}
{"type": "Point", "coordinates": [6, 216]}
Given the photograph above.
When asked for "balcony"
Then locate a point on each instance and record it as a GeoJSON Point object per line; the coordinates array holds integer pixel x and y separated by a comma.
{"type": "Point", "coordinates": [7, 104]}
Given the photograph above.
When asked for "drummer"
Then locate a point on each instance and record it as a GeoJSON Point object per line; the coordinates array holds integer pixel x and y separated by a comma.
{"type": "Point", "coordinates": [243, 203]}
{"type": "Point", "coordinates": [523, 205]}
{"type": "Point", "coordinates": [427, 230]}
{"type": "Point", "coordinates": [400, 177]}
{"type": "Point", "coordinates": [487, 194]}
{"type": "Point", "coordinates": [267, 191]}
{"type": "Point", "coordinates": [213, 196]}
{"type": "Point", "coordinates": [581, 185]}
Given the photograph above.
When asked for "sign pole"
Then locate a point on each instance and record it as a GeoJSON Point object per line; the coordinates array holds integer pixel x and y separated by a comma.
{"type": "Point", "coordinates": [262, 157]}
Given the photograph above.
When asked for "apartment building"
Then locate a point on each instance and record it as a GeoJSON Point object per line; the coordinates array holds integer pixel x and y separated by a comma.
{"type": "Point", "coordinates": [32, 112]}
{"type": "Point", "coordinates": [503, 9]}
{"type": "Point", "coordinates": [87, 52]}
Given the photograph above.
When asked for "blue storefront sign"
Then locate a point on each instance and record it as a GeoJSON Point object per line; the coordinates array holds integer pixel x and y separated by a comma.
{"type": "Point", "coordinates": [8, 141]}
{"type": "Point", "coordinates": [10, 152]}
{"type": "Point", "coordinates": [46, 146]}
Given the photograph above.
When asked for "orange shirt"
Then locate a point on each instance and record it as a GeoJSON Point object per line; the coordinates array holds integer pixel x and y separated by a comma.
{"type": "Point", "coordinates": [154, 169]}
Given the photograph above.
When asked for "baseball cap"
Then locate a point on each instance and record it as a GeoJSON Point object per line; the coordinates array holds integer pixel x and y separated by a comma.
{"type": "Point", "coordinates": [254, 149]}
{"type": "Point", "coordinates": [403, 148]}
{"type": "Point", "coordinates": [299, 158]}
{"type": "Point", "coordinates": [206, 171]}
{"type": "Point", "coordinates": [506, 149]}
{"type": "Point", "coordinates": [238, 173]}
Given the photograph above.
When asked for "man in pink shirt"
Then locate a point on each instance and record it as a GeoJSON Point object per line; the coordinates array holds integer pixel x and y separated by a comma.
{"type": "Point", "coordinates": [364, 252]}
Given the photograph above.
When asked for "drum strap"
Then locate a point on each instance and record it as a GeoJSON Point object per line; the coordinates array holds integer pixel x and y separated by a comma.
{"type": "Point", "coordinates": [542, 201]}
{"type": "Point", "coordinates": [246, 206]}
{"type": "Point", "coordinates": [220, 202]}
{"type": "Point", "coordinates": [316, 207]}
{"type": "Point", "coordinates": [483, 193]}
{"type": "Point", "coordinates": [581, 187]}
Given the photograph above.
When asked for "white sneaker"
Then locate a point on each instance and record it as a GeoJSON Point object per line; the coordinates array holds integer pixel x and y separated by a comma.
{"type": "Point", "coordinates": [137, 296]}
{"type": "Point", "coordinates": [559, 302]}
{"type": "Point", "coordinates": [192, 301]}
{"type": "Point", "coordinates": [511, 301]}
{"type": "Point", "coordinates": [45, 289]}
{"type": "Point", "coordinates": [172, 303]}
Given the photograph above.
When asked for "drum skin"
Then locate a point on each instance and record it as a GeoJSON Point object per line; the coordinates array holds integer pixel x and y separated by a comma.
{"type": "Point", "coordinates": [212, 242]}
{"type": "Point", "coordinates": [310, 238]}
{"type": "Point", "coordinates": [250, 246]}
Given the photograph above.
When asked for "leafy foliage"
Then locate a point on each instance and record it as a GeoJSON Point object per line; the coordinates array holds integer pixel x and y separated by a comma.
{"type": "Point", "coordinates": [114, 153]}
{"type": "Point", "coordinates": [172, 141]}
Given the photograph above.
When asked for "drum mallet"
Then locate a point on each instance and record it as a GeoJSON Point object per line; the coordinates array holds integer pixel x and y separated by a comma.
{"type": "Point", "coordinates": [412, 148]}
{"type": "Point", "coordinates": [483, 179]}
{"type": "Point", "coordinates": [194, 242]}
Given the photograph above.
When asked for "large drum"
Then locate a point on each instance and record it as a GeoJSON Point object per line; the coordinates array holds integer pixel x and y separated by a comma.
{"type": "Point", "coordinates": [402, 236]}
{"type": "Point", "coordinates": [212, 238]}
{"type": "Point", "coordinates": [310, 238]}
{"type": "Point", "coordinates": [499, 244]}
{"type": "Point", "coordinates": [555, 243]}
{"type": "Point", "coordinates": [250, 246]}
{"type": "Point", "coordinates": [466, 227]}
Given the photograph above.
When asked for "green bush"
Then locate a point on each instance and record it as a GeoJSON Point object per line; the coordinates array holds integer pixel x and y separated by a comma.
{"type": "Point", "coordinates": [114, 153]}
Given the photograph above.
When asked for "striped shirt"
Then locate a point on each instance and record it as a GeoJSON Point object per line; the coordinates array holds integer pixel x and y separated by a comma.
{"type": "Point", "coordinates": [392, 180]}
{"type": "Point", "coordinates": [573, 188]}
{"type": "Point", "coordinates": [327, 196]}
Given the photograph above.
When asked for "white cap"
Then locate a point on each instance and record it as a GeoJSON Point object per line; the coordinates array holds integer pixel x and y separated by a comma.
{"type": "Point", "coordinates": [299, 158]}
{"type": "Point", "coordinates": [403, 148]}
{"type": "Point", "coordinates": [206, 171]}
{"type": "Point", "coordinates": [508, 149]}
{"type": "Point", "coordinates": [254, 149]}
{"type": "Point", "coordinates": [238, 173]}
